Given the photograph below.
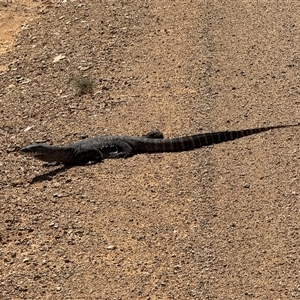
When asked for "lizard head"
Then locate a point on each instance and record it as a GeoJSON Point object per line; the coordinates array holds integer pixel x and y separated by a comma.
{"type": "Point", "coordinates": [40, 151]}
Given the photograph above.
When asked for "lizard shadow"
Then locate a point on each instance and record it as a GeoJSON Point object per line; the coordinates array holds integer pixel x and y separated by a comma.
{"type": "Point", "coordinates": [52, 173]}
{"type": "Point", "coordinates": [49, 175]}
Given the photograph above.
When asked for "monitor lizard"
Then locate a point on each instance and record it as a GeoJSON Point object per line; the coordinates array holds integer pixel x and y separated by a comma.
{"type": "Point", "coordinates": [98, 148]}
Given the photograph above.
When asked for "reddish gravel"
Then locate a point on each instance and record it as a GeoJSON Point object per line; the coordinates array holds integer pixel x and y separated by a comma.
{"type": "Point", "coordinates": [220, 222]}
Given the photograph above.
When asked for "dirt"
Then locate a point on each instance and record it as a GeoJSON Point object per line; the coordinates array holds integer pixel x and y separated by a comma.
{"type": "Point", "coordinates": [221, 222]}
{"type": "Point", "coordinates": [14, 16]}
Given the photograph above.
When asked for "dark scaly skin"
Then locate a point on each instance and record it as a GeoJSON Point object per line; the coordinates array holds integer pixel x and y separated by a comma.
{"type": "Point", "coordinates": [98, 148]}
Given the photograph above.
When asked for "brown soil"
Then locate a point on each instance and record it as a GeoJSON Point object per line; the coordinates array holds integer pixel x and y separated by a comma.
{"type": "Point", "coordinates": [220, 222]}
{"type": "Point", "coordinates": [15, 15]}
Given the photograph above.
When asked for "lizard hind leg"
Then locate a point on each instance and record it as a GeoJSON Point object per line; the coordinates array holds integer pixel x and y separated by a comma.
{"type": "Point", "coordinates": [118, 149]}
{"type": "Point", "coordinates": [155, 134]}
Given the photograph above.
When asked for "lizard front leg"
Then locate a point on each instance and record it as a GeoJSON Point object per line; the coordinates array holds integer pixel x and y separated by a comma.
{"type": "Point", "coordinates": [83, 156]}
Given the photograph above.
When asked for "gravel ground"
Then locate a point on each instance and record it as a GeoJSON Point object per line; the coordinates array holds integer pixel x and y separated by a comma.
{"type": "Point", "coordinates": [220, 222]}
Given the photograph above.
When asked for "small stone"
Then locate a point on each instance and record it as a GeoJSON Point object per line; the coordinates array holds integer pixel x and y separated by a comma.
{"type": "Point", "coordinates": [58, 58]}
{"type": "Point", "coordinates": [247, 185]}
{"type": "Point", "coordinates": [111, 247]}
{"type": "Point", "coordinates": [28, 128]}
{"type": "Point", "coordinates": [57, 195]}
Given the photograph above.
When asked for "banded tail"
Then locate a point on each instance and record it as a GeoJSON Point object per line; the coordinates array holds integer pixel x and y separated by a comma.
{"type": "Point", "coordinates": [200, 140]}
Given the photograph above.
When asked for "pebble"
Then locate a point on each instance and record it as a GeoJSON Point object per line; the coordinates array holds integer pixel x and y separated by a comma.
{"type": "Point", "coordinates": [58, 58]}
{"type": "Point", "coordinates": [111, 247]}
